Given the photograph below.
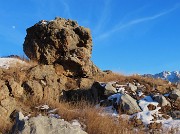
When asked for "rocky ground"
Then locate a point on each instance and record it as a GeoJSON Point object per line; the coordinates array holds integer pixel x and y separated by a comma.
{"type": "Point", "coordinates": [59, 70]}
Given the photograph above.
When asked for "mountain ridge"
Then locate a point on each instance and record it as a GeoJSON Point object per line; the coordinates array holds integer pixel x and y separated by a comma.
{"type": "Point", "coordinates": [172, 76]}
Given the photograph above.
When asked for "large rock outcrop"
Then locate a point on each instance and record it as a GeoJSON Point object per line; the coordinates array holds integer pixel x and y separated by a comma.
{"type": "Point", "coordinates": [63, 42]}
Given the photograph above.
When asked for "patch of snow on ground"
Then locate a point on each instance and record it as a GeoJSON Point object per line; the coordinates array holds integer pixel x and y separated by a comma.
{"type": "Point", "coordinates": [146, 115]}
{"type": "Point", "coordinates": [171, 124]}
{"type": "Point", "coordinates": [143, 103]}
{"type": "Point", "coordinates": [75, 123]}
{"type": "Point", "coordinates": [57, 116]}
{"type": "Point", "coordinates": [8, 62]}
{"type": "Point", "coordinates": [52, 111]}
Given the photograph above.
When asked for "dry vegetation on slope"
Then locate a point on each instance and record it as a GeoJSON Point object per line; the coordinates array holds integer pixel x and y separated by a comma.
{"type": "Point", "coordinates": [83, 111]}
{"type": "Point", "coordinates": [160, 85]}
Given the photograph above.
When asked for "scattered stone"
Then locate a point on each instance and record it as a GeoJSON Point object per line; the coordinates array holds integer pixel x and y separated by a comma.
{"type": "Point", "coordinates": [165, 116]}
{"type": "Point", "coordinates": [151, 107]}
{"type": "Point", "coordinates": [137, 122]}
{"type": "Point", "coordinates": [161, 100]}
{"type": "Point", "coordinates": [107, 71]}
{"type": "Point", "coordinates": [109, 89]}
{"type": "Point", "coordinates": [155, 125]}
{"type": "Point", "coordinates": [165, 109]}
{"type": "Point", "coordinates": [132, 87]}
{"type": "Point", "coordinates": [45, 125]}
{"type": "Point", "coordinates": [129, 105]}
{"type": "Point", "coordinates": [175, 115]}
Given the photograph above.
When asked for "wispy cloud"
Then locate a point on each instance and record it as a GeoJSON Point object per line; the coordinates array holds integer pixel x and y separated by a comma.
{"type": "Point", "coordinates": [103, 17]}
{"type": "Point", "coordinates": [121, 26]}
{"type": "Point", "coordinates": [67, 11]}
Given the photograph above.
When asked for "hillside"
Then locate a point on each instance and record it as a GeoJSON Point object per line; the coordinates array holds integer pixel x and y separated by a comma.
{"type": "Point", "coordinates": [60, 90]}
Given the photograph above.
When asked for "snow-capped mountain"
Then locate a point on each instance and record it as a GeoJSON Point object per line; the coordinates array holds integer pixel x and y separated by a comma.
{"type": "Point", "coordinates": [173, 76]}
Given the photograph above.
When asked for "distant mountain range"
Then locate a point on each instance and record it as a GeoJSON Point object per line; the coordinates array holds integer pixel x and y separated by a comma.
{"type": "Point", "coordinates": [173, 76]}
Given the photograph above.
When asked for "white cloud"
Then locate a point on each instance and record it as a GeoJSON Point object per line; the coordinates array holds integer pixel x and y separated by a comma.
{"type": "Point", "coordinates": [13, 27]}
{"type": "Point", "coordinates": [121, 26]}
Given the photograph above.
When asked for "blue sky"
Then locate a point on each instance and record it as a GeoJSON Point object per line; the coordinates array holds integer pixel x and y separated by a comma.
{"type": "Point", "coordinates": [129, 36]}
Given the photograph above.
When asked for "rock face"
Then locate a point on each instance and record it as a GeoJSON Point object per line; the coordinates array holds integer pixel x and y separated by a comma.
{"type": "Point", "coordinates": [64, 42]}
{"type": "Point", "coordinates": [45, 125]}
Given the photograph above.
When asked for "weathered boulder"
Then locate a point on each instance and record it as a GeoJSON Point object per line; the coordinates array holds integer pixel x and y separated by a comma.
{"type": "Point", "coordinates": [129, 105]}
{"type": "Point", "coordinates": [123, 103]}
{"type": "Point", "coordinates": [64, 42]}
{"type": "Point", "coordinates": [45, 125]}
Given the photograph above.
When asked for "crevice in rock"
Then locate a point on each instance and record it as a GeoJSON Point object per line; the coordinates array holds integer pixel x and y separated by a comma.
{"type": "Point", "coordinates": [9, 88]}
{"type": "Point", "coordinates": [27, 88]}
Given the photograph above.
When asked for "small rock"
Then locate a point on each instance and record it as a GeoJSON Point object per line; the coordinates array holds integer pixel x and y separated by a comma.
{"type": "Point", "coordinates": [155, 125]}
{"type": "Point", "coordinates": [161, 100]}
{"type": "Point", "coordinates": [132, 87]}
{"type": "Point", "coordinates": [129, 105]}
{"type": "Point", "coordinates": [151, 107]}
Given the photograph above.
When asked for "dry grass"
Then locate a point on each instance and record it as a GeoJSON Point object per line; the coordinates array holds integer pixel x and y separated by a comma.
{"type": "Point", "coordinates": [110, 77]}
{"type": "Point", "coordinates": [4, 125]}
{"type": "Point", "coordinates": [94, 120]}
{"type": "Point", "coordinates": [161, 85]}
{"type": "Point", "coordinates": [87, 114]}
{"type": "Point", "coordinates": [98, 124]}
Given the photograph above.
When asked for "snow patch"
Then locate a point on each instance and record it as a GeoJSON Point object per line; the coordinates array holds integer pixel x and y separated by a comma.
{"type": "Point", "coordinates": [10, 62]}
